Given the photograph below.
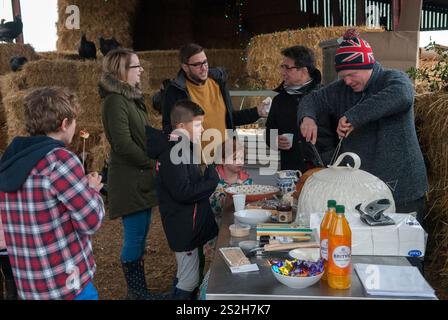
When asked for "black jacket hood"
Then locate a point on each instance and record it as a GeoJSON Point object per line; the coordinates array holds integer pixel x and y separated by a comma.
{"type": "Point", "coordinates": [109, 84]}
{"type": "Point", "coordinates": [156, 142]}
{"type": "Point", "coordinates": [21, 156]}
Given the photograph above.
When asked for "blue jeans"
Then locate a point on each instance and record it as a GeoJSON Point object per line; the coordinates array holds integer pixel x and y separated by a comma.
{"type": "Point", "coordinates": [136, 227]}
{"type": "Point", "coordinates": [88, 293]}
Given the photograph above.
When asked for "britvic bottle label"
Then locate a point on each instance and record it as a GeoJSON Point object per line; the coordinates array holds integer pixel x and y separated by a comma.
{"type": "Point", "coordinates": [324, 248]}
{"type": "Point", "coordinates": [342, 256]}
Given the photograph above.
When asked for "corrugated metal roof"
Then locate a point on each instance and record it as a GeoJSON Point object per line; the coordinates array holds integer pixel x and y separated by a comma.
{"type": "Point", "coordinates": [378, 12]}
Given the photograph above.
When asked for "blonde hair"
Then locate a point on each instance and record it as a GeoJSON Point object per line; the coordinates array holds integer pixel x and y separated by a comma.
{"type": "Point", "coordinates": [116, 63]}
{"type": "Point", "coordinates": [47, 107]}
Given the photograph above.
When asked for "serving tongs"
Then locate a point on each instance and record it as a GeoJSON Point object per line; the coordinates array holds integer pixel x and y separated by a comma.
{"type": "Point", "coordinates": [317, 155]}
{"type": "Point", "coordinates": [336, 151]}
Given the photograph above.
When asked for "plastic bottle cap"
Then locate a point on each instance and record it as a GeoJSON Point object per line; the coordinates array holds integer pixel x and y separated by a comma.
{"type": "Point", "coordinates": [340, 209]}
{"type": "Point", "coordinates": [331, 203]}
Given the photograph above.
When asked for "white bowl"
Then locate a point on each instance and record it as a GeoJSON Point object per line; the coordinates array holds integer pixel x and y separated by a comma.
{"type": "Point", "coordinates": [297, 282]}
{"type": "Point", "coordinates": [253, 216]}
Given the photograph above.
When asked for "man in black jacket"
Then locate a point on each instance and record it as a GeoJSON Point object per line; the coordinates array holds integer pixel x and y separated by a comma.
{"type": "Point", "coordinates": [300, 77]}
{"type": "Point", "coordinates": [208, 88]}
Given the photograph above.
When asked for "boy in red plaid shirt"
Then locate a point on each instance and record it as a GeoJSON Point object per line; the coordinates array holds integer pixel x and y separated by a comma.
{"type": "Point", "coordinates": [48, 206]}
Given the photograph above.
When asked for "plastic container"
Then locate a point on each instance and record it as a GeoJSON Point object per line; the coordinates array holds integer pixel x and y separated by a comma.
{"type": "Point", "coordinates": [239, 230]}
{"type": "Point", "coordinates": [339, 252]}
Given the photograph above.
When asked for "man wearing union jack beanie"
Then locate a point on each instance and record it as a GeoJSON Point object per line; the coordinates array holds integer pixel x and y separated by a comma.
{"type": "Point", "coordinates": [375, 111]}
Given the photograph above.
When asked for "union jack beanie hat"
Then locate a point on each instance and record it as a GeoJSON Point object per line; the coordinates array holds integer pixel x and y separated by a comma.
{"type": "Point", "coordinates": [353, 53]}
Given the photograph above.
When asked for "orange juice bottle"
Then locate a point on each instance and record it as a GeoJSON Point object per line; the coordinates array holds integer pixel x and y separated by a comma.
{"type": "Point", "coordinates": [339, 252]}
{"type": "Point", "coordinates": [324, 228]}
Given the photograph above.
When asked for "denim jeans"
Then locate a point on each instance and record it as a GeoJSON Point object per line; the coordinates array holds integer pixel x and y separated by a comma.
{"type": "Point", "coordinates": [136, 227]}
{"type": "Point", "coordinates": [88, 293]}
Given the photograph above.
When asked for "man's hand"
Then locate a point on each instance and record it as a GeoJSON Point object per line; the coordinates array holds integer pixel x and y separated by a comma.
{"type": "Point", "coordinates": [308, 128]}
{"type": "Point", "coordinates": [344, 127]}
{"type": "Point", "coordinates": [94, 180]}
{"type": "Point", "coordinates": [283, 143]}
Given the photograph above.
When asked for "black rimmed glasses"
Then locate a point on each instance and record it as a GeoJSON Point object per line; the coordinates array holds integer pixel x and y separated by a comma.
{"type": "Point", "coordinates": [288, 68]}
{"type": "Point", "coordinates": [198, 64]}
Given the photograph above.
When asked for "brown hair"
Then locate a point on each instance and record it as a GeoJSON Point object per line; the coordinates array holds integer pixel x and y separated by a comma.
{"type": "Point", "coordinates": [189, 50]}
{"type": "Point", "coordinates": [184, 111]}
{"type": "Point", "coordinates": [47, 107]}
{"type": "Point", "coordinates": [117, 61]}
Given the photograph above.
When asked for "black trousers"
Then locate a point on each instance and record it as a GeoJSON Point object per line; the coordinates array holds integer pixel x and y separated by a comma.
{"type": "Point", "coordinates": [418, 206]}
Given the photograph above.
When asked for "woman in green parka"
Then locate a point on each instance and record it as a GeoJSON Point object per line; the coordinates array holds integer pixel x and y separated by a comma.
{"type": "Point", "coordinates": [131, 189]}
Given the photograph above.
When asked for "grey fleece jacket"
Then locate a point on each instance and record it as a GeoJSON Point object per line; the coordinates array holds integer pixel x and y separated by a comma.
{"type": "Point", "coordinates": [384, 133]}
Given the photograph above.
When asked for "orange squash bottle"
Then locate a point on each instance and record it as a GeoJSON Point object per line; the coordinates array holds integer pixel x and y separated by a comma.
{"type": "Point", "coordinates": [339, 252]}
{"type": "Point", "coordinates": [330, 214]}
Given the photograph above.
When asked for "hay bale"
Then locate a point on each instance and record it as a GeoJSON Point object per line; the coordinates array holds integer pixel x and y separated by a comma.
{"type": "Point", "coordinates": [80, 76]}
{"type": "Point", "coordinates": [9, 83]}
{"type": "Point", "coordinates": [431, 112]}
{"type": "Point", "coordinates": [107, 18]}
{"type": "Point", "coordinates": [8, 50]}
{"type": "Point", "coordinates": [165, 64]}
{"type": "Point", "coordinates": [14, 110]}
{"type": "Point", "coordinates": [264, 57]}
{"type": "Point", "coordinates": [100, 153]}
{"type": "Point", "coordinates": [53, 55]}
{"type": "Point", "coordinates": [3, 134]}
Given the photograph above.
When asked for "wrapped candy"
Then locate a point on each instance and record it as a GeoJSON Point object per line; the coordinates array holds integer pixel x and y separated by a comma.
{"type": "Point", "coordinates": [297, 268]}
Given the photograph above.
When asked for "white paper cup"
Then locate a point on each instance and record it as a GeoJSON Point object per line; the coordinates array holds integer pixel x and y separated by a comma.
{"type": "Point", "coordinates": [290, 137]}
{"type": "Point", "coordinates": [267, 104]}
{"type": "Point", "coordinates": [239, 201]}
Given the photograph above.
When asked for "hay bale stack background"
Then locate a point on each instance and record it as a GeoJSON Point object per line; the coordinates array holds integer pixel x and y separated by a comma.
{"type": "Point", "coordinates": [264, 57]}
{"type": "Point", "coordinates": [431, 112]}
{"type": "Point", "coordinates": [165, 64]}
{"type": "Point", "coordinates": [3, 133]}
{"type": "Point", "coordinates": [67, 55]}
{"type": "Point", "coordinates": [98, 18]}
{"type": "Point", "coordinates": [8, 50]}
{"type": "Point", "coordinates": [80, 76]}
{"type": "Point", "coordinates": [13, 104]}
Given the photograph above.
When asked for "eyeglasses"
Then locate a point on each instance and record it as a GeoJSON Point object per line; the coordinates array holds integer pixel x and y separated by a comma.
{"type": "Point", "coordinates": [286, 67]}
{"type": "Point", "coordinates": [137, 66]}
{"type": "Point", "coordinates": [198, 64]}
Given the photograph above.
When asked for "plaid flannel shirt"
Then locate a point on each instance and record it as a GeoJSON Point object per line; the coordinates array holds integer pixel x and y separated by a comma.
{"type": "Point", "coordinates": [48, 224]}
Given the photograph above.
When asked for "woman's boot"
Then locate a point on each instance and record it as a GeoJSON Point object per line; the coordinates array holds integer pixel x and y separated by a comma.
{"type": "Point", "coordinates": [134, 273]}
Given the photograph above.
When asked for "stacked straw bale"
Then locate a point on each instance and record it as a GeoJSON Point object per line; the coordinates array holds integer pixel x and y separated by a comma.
{"type": "Point", "coordinates": [80, 76]}
{"type": "Point", "coordinates": [165, 64]}
{"type": "Point", "coordinates": [54, 55]}
{"type": "Point", "coordinates": [264, 57]}
{"type": "Point", "coordinates": [97, 18]}
{"type": "Point", "coordinates": [8, 50]}
{"type": "Point", "coordinates": [431, 110]}
{"type": "Point", "coordinates": [3, 134]}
